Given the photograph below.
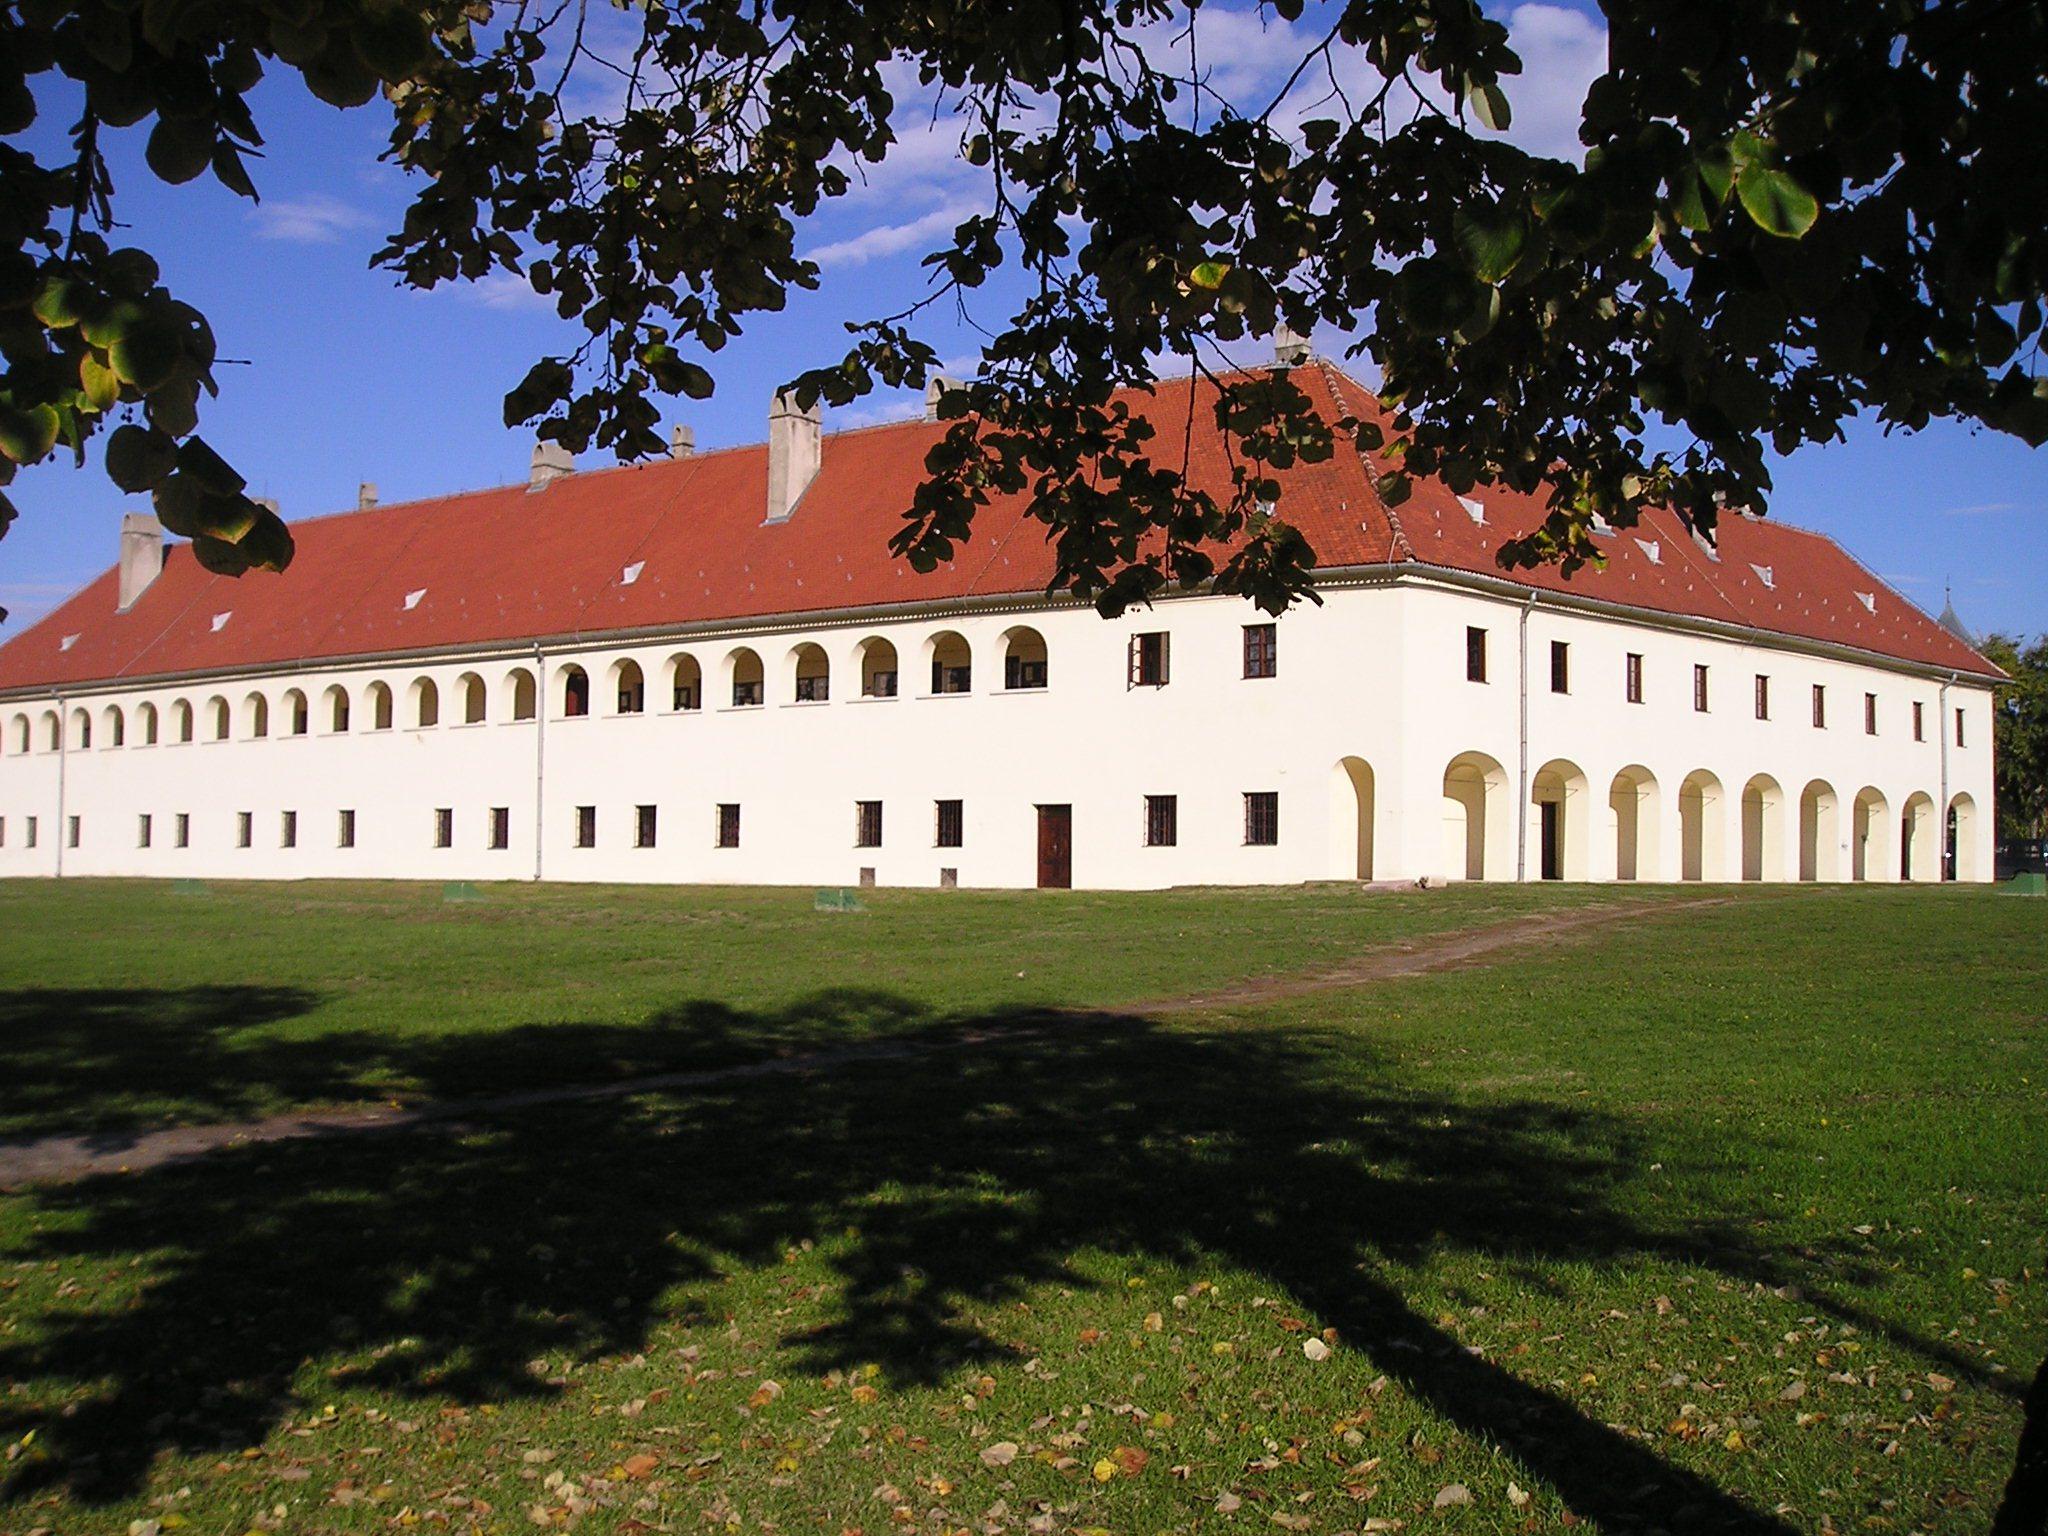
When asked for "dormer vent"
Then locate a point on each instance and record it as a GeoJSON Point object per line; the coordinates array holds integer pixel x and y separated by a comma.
{"type": "Point", "coordinates": [220, 620]}
{"type": "Point", "coordinates": [1763, 574]}
{"type": "Point", "coordinates": [67, 642]}
{"type": "Point", "coordinates": [631, 573]}
{"type": "Point", "coordinates": [412, 598]}
{"type": "Point", "coordinates": [1868, 600]}
{"type": "Point", "coordinates": [1474, 509]}
{"type": "Point", "coordinates": [1653, 549]}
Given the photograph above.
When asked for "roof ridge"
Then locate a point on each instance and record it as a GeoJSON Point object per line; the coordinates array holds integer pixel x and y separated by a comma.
{"type": "Point", "coordinates": [1337, 379]}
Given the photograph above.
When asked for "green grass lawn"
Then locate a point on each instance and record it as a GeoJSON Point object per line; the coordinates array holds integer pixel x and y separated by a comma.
{"type": "Point", "coordinates": [1731, 1220]}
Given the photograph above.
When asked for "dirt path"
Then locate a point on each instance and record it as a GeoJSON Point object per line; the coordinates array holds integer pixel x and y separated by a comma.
{"type": "Point", "coordinates": [59, 1159]}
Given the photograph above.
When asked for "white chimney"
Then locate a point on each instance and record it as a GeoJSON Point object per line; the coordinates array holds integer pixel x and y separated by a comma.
{"type": "Point", "coordinates": [793, 451]}
{"type": "Point", "coordinates": [551, 461]}
{"type": "Point", "coordinates": [142, 555]}
{"type": "Point", "coordinates": [936, 388]}
{"type": "Point", "coordinates": [366, 495]}
{"type": "Point", "coordinates": [1289, 349]}
{"type": "Point", "coordinates": [682, 442]}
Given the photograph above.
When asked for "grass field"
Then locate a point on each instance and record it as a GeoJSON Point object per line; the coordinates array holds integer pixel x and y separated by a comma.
{"type": "Point", "coordinates": [1725, 1219]}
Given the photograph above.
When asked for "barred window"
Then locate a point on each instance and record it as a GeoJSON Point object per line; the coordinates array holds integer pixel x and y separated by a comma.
{"type": "Point", "coordinates": [952, 824]}
{"type": "Point", "coordinates": [1162, 821]}
{"type": "Point", "coordinates": [1261, 650]}
{"type": "Point", "coordinates": [867, 823]}
{"type": "Point", "coordinates": [1262, 818]}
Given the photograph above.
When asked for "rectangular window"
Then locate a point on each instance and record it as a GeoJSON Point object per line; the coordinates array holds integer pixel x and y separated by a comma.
{"type": "Point", "coordinates": [1149, 659]}
{"type": "Point", "coordinates": [71, 831]}
{"type": "Point", "coordinates": [29, 834]}
{"type": "Point", "coordinates": [1820, 707]}
{"type": "Point", "coordinates": [444, 828]}
{"type": "Point", "coordinates": [245, 828]}
{"type": "Point", "coordinates": [1870, 714]}
{"type": "Point", "coordinates": [181, 832]}
{"type": "Point", "coordinates": [501, 826]}
{"type": "Point", "coordinates": [813, 689]}
{"type": "Point", "coordinates": [685, 696]}
{"type": "Point", "coordinates": [142, 830]}
{"type": "Point", "coordinates": [1699, 687]}
{"type": "Point", "coordinates": [1262, 818]}
{"type": "Point", "coordinates": [947, 678]}
{"type": "Point", "coordinates": [1475, 654]}
{"type": "Point", "coordinates": [728, 826]}
{"type": "Point", "coordinates": [643, 826]}
{"type": "Point", "coordinates": [1261, 650]}
{"type": "Point", "coordinates": [1763, 697]}
{"type": "Point", "coordinates": [633, 697]}
{"type": "Point", "coordinates": [1919, 721]}
{"type": "Point", "coordinates": [1162, 821]}
{"type": "Point", "coordinates": [1959, 728]}
{"type": "Point", "coordinates": [1560, 667]}
{"type": "Point", "coordinates": [288, 830]}
{"type": "Point", "coordinates": [1634, 677]}
{"type": "Point", "coordinates": [881, 684]}
{"type": "Point", "coordinates": [867, 823]}
{"type": "Point", "coordinates": [586, 826]}
{"type": "Point", "coordinates": [3, 831]}
{"type": "Point", "coordinates": [345, 829]}
{"type": "Point", "coordinates": [951, 824]}
{"type": "Point", "coordinates": [746, 693]}
{"type": "Point", "coordinates": [1019, 672]}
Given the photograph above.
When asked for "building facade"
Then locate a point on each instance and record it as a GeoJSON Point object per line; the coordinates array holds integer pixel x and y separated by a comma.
{"type": "Point", "coordinates": [638, 675]}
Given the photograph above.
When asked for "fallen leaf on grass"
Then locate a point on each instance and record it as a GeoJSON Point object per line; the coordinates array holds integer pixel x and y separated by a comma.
{"type": "Point", "coordinates": [1001, 1454]}
{"type": "Point", "coordinates": [639, 1466]}
{"type": "Point", "coordinates": [1130, 1460]}
{"type": "Point", "coordinates": [1451, 1494]}
{"type": "Point", "coordinates": [1315, 1349]}
{"type": "Point", "coordinates": [1518, 1496]}
{"type": "Point", "coordinates": [1228, 1504]}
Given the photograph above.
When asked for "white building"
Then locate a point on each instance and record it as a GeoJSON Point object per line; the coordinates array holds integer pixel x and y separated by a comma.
{"type": "Point", "coordinates": [710, 669]}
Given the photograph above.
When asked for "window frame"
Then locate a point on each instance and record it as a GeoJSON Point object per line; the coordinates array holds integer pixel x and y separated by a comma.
{"type": "Point", "coordinates": [958, 829]}
{"type": "Point", "coordinates": [1632, 677]}
{"type": "Point", "coordinates": [1763, 696]}
{"type": "Point", "coordinates": [444, 826]}
{"type": "Point", "coordinates": [1262, 818]}
{"type": "Point", "coordinates": [1475, 654]}
{"type": "Point", "coordinates": [287, 829]}
{"type": "Point", "coordinates": [1261, 650]}
{"type": "Point", "coordinates": [1869, 713]}
{"type": "Point", "coordinates": [1820, 706]}
{"type": "Point", "coordinates": [1162, 821]}
{"type": "Point", "coordinates": [1702, 699]}
{"type": "Point", "coordinates": [1151, 658]}
{"type": "Point", "coordinates": [646, 826]}
{"type": "Point", "coordinates": [1561, 666]}
{"type": "Point", "coordinates": [727, 827]}
{"type": "Point", "coordinates": [867, 823]}
{"type": "Point", "coordinates": [501, 828]}
{"type": "Point", "coordinates": [345, 828]}
{"type": "Point", "coordinates": [586, 826]}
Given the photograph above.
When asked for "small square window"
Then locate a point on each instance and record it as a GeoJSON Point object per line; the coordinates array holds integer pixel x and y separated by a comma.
{"type": "Point", "coordinates": [1634, 677]}
{"type": "Point", "coordinates": [1870, 714]}
{"type": "Point", "coordinates": [345, 829]}
{"type": "Point", "coordinates": [1261, 650]}
{"type": "Point", "coordinates": [1820, 707]}
{"type": "Point", "coordinates": [501, 826]}
{"type": "Point", "coordinates": [1262, 818]}
{"type": "Point", "coordinates": [951, 824]}
{"type": "Point", "coordinates": [1150, 659]}
{"type": "Point", "coordinates": [728, 826]}
{"type": "Point", "coordinates": [142, 830]}
{"type": "Point", "coordinates": [288, 830]}
{"type": "Point", "coordinates": [1560, 667]}
{"type": "Point", "coordinates": [586, 826]}
{"type": "Point", "coordinates": [1699, 688]}
{"type": "Point", "coordinates": [1162, 821]}
{"type": "Point", "coordinates": [867, 823]}
{"type": "Point", "coordinates": [643, 826]}
{"type": "Point", "coordinates": [181, 830]}
{"type": "Point", "coordinates": [444, 828]}
{"type": "Point", "coordinates": [1763, 697]}
{"type": "Point", "coordinates": [1475, 654]}
{"type": "Point", "coordinates": [1919, 721]}
{"type": "Point", "coordinates": [245, 828]}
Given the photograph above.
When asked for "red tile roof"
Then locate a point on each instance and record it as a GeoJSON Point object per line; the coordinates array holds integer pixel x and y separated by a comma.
{"type": "Point", "coordinates": [515, 563]}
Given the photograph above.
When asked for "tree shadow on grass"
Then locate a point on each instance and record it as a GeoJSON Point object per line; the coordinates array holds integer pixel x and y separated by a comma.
{"type": "Point", "coordinates": [969, 1173]}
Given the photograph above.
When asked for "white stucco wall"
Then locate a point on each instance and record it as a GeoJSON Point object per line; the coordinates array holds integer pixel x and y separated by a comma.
{"type": "Point", "coordinates": [1376, 676]}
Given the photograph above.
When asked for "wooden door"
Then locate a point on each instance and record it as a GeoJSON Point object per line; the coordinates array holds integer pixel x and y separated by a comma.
{"type": "Point", "coordinates": [1055, 847]}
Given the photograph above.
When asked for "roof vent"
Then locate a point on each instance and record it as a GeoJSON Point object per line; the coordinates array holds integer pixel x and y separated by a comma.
{"type": "Point", "coordinates": [1763, 573]}
{"type": "Point", "coordinates": [142, 555]}
{"type": "Point", "coordinates": [794, 451]}
{"type": "Point", "coordinates": [67, 642]}
{"type": "Point", "coordinates": [1706, 544]}
{"type": "Point", "coordinates": [631, 573]}
{"type": "Point", "coordinates": [1868, 600]}
{"type": "Point", "coordinates": [220, 620]}
{"type": "Point", "coordinates": [1653, 549]}
{"type": "Point", "coordinates": [1602, 528]}
{"type": "Point", "coordinates": [682, 442]}
{"type": "Point", "coordinates": [412, 598]}
{"type": "Point", "coordinates": [1476, 510]}
{"type": "Point", "coordinates": [551, 461]}
{"type": "Point", "coordinates": [366, 495]}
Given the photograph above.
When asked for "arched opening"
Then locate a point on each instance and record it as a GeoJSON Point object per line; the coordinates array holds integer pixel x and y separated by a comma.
{"type": "Point", "coordinates": [629, 687]}
{"type": "Point", "coordinates": [877, 669]}
{"type": "Point", "coordinates": [337, 709]}
{"type": "Point", "coordinates": [813, 674]}
{"type": "Point", "coordinates": [81, 730]}
{"type": "Point", "coordinates": [1819, 836]}
{"type": "Point", "coordinates": [744, 668]}
{"type": "Point", "coordinates": [572, 686]}
{"type": "Point", "coordinates": [1918, 859]}
{"type": "Point", "coordinates": [1763, 829]}
{"type": "Point", "coordinates": [426, 703]}
{"type": "Point", "coordinates": [522, 693]}
{"type": "Point", "coordinates": [17, 732]}
{"type": "Point", "coordinates": [1024, 663]}
{"type": "Point", "coordinates": [146, 722]}
{"type": "Point", "coordinates": [1476, 827]}
{"type": "Point", "coordinates": [113, 727]}
{"type": "Point", "coordinates": [475, 707]}
{"type": "Point", "coordinates": [1870, 825]}
{"type": "Point", "coordinates": [296, 715]}
{"type": "Point", "coordinates": [256, 716]}
{"type": "Point", "coordinates": [685, 683]}
{"type": "Point", "coordinates": [952, 662]}
{"type": "Point", "coordinates": [1558, 793]}
{"type": "Point", "coordinates": [1351, 818]}
{"type": "Point", "coordinates": [1632, 799]}
{"type": "Point", "coordinates": [53, 731]}
{"type": "Point", "coordinates": [1702, 834]}
{"type": "Point", "coordinates": [217, 718]}
{"type": "Point", "coordinates": [1962, 839]}
{"type": "Point", "coordinates": [382, 709]}
{"type": "Point", "coordinates": [181, 720]}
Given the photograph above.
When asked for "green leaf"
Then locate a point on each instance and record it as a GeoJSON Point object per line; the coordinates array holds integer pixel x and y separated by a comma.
{"type": "Point", "coordinates": [1489, 104]}
{"type": "Point", "coordinates": [1775, 200]}
{"type": "Point", "coordinates": [138, 457]}
{"type": "Point", "coordinates": [101, 384]}
{"type": "Point", "coordinates": [26, 436]}
{"type": "Point", "coordinates": [179, 147]}
{"type": "Point", "coordinates": [1491, 239]}
{"type": "Point", "coordinates": [1209, 275]}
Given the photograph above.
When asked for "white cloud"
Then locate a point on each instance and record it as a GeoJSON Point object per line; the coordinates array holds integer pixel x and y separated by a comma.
{"type": "Point", "coordinates": [891, 239]}
{"type": "Point", "coordinates": [314, 218]}
{"type": "Point", "coordinates": [506, 290]}
{"type": "Point", "coordinates": [28, 601]}
{"type": "Point", "coordinates": [1981, 509]}
{"type": "Point", "coordinates": [1563, 52]}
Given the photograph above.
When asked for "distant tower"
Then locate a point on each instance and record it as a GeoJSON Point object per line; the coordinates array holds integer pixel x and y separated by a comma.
{"type": "Point", "coordinates": [1951, 622]}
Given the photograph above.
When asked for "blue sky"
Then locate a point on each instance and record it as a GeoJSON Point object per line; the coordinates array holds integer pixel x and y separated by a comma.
{"type": "Point", "coordinates": [349, 378]}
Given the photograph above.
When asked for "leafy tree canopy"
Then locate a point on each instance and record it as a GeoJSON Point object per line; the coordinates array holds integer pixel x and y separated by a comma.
{"type": "Point", "coordinates": [1785, 215]}
{"type": "Point", "coordinates": [2020, 725]}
